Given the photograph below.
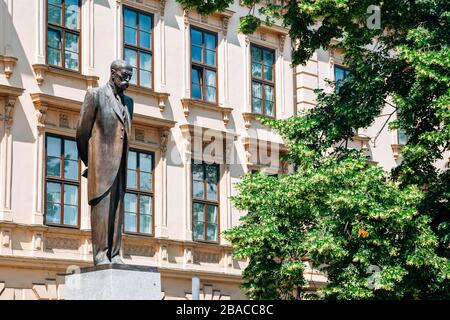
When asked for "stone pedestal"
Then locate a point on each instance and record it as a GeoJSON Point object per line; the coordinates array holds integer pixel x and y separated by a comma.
{"type": "Point", "coordinates": [113, 282]}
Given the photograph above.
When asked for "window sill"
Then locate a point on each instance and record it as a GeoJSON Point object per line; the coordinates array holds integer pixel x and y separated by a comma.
{"type": "Point", "coordinates": [161, 96]}
{"type": "Point", "coordinates": [41, 70]}
{"type": "Point", "coordinates": [250, 117]}
{"type": "Point", "coordinates": [189, 104]}
{"type": "Point", "coordinates": [8, 65]}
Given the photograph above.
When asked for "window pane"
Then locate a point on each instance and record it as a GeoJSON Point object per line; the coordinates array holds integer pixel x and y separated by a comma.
{"type": "Point", "coordinates": [210, 78]}
{"type": "Point", "coordinates": [199, 212]}
{"type": "Point", "coordinates": [70, 215]}
{"type": "Point", "coordinates": [268, 58]}
{"type": "Point", "coordinates": [145, 224]}
{"type": "Point", "coordinates": [198, 181]}
{"type": "Point", "coordinates": [71, 42]}
{"type": "Point", "coordinates": [211, 232]}
{"type": "Point", "coordinates": [196, 84]}
{"type": "Point", "coordinates": [54, 38]}
{"type": "Point", "coordinates": [53, 146]}
{"type": "Point", "coordinates": [52, 212]}
{"type": "Point", "coordinates": [130, 222]}
{"type": "Point", "coordinates": [130, 36]}
{"type": "Point", "coordinates": [196, 91]}
{"type": "Point", "coordinates": [71, 61]}
{"type": "Point", "coordinates": [402, 137]}
{"type": "Point", "coordinates": [339, 73]}
{"type": "Point", "coordinates": [53, 192]}
{"type": "Point", "coordinates": [146, 61]}
{"type": "Point", "coordinates": [130, 18]}
{"type": "Point", "coordinates": [71, 169]}
{"type": "Point", "coordinates": [199, 231]}
{"type": "Point", "coordinates": [268, 93]}
{"type": "Point", "coordinates": [211, 182]}
{"type": "Point", "coordinates": [131, 57]}
{"type": "Point", "coordinates": [71, 14]}
{"type": "Point", "coordinates": [145, 214]}
{"type": "Point", "coordinates": [53, 167]}
{"type": "Point", "coordinates": [268, 73]}
{"type": "Point", "coordinates": [132, 160]}
{"type": "Point", "coordinates": [256, 70]}
{"type": "Point", "coordinates": [256, 105]}
{"type": "Point", "coordinates": [144, 40]}
{"type": "Point", "coordinates": [145, 162]}
{"type": "Point", "coordinates": [268, 100]}
{"type": "Point", "coordinates": [211, 94]}
{"type": "Point", "coordinates": [70, 150]}
{"type": "Point", "coordinates": [70, 195]}
{"type": "Point", "coordinates": [145, 205]}
{"type": "Point", "coordinates": [54, 13]}
{"type": "Point", "coordinates": [145, 78]}
{"type": "Point", "coordinates": [256, 90]}
{"type": "Point", "coordinates": [256, 54]}
{"type": "Point", "coordinates": [131, 179]}
{"type": "Point", "coordinates": [196, 37]}
{"type": "Point", "coordinates": [144, 22]}
{"type": "Point", "coordinates": [145, 181]}
{"type": "Point", "coordinates": [210, 41]}
{"type": "Point", "coordinates": [211, 214]}
{"type": "Point", "coordinates": [196, 53]}
{"type": "Point", "coordinates": [210, 58]}
{"type": "Point", "coordinates": [268, 109]}
{"type": "Point", "coordinates": [54, 57]}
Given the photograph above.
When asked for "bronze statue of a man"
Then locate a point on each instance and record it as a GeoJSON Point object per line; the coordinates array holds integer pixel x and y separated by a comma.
{"type": "Point", "coordinates": [102, 138]}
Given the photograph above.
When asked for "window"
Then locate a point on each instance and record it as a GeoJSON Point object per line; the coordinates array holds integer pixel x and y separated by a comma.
{"type": "Point", "coordinates": [340, 74]}
{"type": "Point", "coordinates": [204, 65]}
{"type": "Point", "coordinates": [63, 33]}
{"type": "Point", "coordinates": [62, 181]}
{"type": "Point", "coordinates": [263, 80]}
{"type": "Point", "coordinates": [139, 193]}
{"type": "Point", "coordinates": [138, 45]}
{"type": "Point", "coordinates": [205, 203]}
{"type": "Point", "coordinates": [402, 137]}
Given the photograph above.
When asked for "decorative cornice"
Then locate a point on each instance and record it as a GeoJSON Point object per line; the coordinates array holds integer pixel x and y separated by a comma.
{"type": "Point", "coordinates": [8, 63]}
{"type": "Point", "coordinates": [161, 96]}
{"type": "Point", "coordinates": [188, 104]}
{"type": "Point", "coordinates": [43, 101]}
{"type": "Point", "coordinates": [250, 117]}
{"type": "Point", "coordinates": [154, 122]}
{"type": "Point", "coordinates": [40, 71]}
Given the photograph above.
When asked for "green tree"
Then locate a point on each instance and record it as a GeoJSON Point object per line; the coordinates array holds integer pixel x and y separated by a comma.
{"type": "Point", "coordinates": [336, 209]}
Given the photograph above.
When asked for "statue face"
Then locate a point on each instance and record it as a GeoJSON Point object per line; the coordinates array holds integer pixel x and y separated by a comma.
{"type": "Point", "coordinates": [121, 78]}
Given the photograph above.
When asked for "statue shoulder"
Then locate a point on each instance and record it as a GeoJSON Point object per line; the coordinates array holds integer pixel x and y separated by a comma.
{"type": "Point", "coordinates": [129, 100]}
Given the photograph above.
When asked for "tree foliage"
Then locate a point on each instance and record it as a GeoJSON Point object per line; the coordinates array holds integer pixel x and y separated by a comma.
{"type": "Point", "coordinates": [335, 209]}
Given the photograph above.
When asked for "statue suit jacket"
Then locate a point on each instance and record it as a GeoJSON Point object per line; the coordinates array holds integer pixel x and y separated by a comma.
{"type": "Point", "coordinates": [102, 137]}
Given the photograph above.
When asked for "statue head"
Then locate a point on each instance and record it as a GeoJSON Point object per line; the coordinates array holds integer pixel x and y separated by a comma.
{"type": "Point", "coordinates": [121, 73]}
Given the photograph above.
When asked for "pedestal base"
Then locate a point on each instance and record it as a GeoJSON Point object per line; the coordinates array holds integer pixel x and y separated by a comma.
{"type": "Point", "coordinates": [114, 282]}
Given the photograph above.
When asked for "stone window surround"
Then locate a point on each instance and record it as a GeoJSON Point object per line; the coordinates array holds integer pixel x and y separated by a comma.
{"type": "Point", "coordinates": [189, 133]}
{"type": "Point", "coordinates": [158, 40]}
{"type": "Point", "coordinates": [220, 27]}
{"type": "Point", "coordinates": [259, 38]}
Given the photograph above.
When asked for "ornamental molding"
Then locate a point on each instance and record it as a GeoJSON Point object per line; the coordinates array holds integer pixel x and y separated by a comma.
{"type": "Point", "coordinates": [189, 104]}
{"type": "Point", "coordinates": [160, 96]}
{"type": "Point", "coordinates": [8, 65]}
{"type": "Point", "coordinates": [41, 71]}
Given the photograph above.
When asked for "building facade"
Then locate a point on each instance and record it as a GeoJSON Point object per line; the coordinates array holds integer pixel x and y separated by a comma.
{"type": "Point", "coordinates": [198, 86]}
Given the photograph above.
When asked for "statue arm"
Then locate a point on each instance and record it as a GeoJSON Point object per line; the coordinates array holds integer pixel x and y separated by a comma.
{"type": "Point", "coordinates": [85, 124]}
